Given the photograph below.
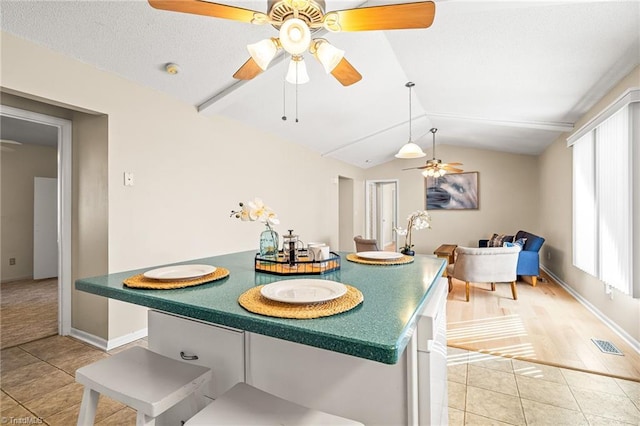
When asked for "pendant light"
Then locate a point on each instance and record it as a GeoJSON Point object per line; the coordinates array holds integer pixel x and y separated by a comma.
{"type": "Point", "coordinates": [410, 149]}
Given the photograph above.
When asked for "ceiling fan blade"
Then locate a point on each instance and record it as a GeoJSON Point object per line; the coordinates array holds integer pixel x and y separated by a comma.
{"type": "Point", "coordinates": [418, 168]}
{"type": "Point", "coordinates": [345, 73]}
{"type": "Point", "coordinates": [204, 8]}
{"type": "Point", "coordinates": [453, 164]}
{"type": "Point", "coordinates": [453, 170]}
{"type": "Point", "coordinates": [248, 70]}
{"type": "Point", "coordinates": [388, 17]}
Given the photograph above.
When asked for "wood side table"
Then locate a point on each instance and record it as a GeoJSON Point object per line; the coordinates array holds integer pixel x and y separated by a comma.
{"type": "Point", "coordinates": [446, 251]}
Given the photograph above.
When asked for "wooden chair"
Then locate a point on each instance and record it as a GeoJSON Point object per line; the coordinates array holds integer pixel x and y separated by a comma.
{"type": "Point", "coordinates": [245, 405]}
{"type": "Point", "coordinates": [144, 380]}
{"type": "Point", "coordinates": [365, 244]}
{"type": "Point", "coordinates": [485, 265]}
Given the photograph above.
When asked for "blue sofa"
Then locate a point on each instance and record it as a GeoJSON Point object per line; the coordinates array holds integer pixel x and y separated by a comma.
{"type": "Point", "coordinates": [529, 258]}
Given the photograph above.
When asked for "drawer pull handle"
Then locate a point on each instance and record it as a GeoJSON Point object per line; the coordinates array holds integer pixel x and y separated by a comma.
{"type": "Point", "coordinates": [188, 357]}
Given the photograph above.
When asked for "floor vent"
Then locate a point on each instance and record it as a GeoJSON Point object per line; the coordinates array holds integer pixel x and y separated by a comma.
{"type": "Point", "coordinates": [607, 347]}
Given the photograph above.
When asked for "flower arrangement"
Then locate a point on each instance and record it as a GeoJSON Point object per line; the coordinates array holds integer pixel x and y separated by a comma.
{"type": "Point", "coordinates": [419, 219]}
{"type": "Point", "coordinates": [256, 210]}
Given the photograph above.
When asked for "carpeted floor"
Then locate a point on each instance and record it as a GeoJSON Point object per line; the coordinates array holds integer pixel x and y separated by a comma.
{"type": "Point", "coordinates": [29, 311]}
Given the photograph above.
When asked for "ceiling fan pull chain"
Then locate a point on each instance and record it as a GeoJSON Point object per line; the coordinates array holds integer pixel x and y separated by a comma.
{"type": "Point", "coordinates": [296, 91]}
{"type": "Point", "coordinates": [284, 93]}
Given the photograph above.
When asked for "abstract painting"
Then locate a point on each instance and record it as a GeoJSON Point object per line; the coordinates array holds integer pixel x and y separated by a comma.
{"type": "Point", "coordinates": [456, 191]}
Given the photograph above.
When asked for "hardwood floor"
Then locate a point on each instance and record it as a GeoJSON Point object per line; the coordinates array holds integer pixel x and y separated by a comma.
{"type": "Point", "coordinates": [545, 325]}
{"type": "Point", "coordinates": [28, 311]}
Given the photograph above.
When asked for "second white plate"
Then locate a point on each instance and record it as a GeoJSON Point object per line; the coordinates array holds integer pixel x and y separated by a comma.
{"type": "Point", "coordinates": [379, 255]}
{"type": "Point", "coordinates": [179, 272]}
{"type": "Point", "coordinates": [303, 290]}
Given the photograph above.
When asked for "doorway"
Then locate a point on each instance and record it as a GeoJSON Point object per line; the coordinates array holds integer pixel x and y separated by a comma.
{"type": "Point", "coordinates": [381, 212]}
{"type": "Point", "coordinates": [62, 129]}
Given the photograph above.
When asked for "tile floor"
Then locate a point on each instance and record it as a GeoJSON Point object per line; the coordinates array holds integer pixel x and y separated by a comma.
{"type": "Point", "coordinates": [490, 390]}
{"type": "Point", "coordinates": [38, 386]}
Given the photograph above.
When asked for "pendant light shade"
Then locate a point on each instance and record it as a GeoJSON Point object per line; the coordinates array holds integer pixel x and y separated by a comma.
{"type": "Point", "coordinates": [297, 73]}
{"type": "Point", "coordinates": [410, 149]}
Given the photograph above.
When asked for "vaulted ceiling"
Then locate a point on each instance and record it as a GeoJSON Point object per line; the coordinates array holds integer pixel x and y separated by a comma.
{"type": "Point", "coordinates": [507, 76]}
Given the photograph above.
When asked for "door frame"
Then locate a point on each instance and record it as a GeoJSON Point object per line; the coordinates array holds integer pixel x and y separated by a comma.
{"type": "Point", "coordinates": [65, 196]}
{"type": "Point", "coordinates": [368, 208]}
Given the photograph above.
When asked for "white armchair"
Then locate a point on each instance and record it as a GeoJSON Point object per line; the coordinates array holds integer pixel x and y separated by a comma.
{"type": "Point", "coordinates": [485, 265]}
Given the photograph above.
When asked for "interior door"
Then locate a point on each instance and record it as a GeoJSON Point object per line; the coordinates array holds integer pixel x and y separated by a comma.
{"type": "Point", "coordinates": [381, 211]}
{"type": "Point", "coordinates": [45, 228]}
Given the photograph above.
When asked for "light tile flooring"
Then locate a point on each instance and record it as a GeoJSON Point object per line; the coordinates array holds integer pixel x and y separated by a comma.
{"type": "Point", "coordinates": [490, 390]}
{"type": "Point", "coordinates": [38, 385]}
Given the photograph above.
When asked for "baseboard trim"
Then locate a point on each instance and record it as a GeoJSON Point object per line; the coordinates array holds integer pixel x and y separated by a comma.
{"type": "Point", "coordinates": [602, 317]}
{"type": "Point", "coordinates": [89, 338]}
{"type": "Point", "coordinates": [107, 345]}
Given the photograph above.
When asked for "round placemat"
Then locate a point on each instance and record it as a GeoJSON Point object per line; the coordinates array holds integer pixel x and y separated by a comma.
{"type": "Point", "coordinates": [255, 302]}
{"type": "Point", "coordinates": [140, 281]}
{"type": "Point", "coordinates": [399, 261]}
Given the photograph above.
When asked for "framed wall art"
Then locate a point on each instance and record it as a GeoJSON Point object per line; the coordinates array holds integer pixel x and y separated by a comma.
{"type": "Point", "coordinates": [456, 191]}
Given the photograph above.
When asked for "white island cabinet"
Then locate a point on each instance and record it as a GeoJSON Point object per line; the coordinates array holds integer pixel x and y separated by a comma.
{"type": "Point", "coordinates": [412, 391]}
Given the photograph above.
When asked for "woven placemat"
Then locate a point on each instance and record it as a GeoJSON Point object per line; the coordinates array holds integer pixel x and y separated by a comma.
{"type": "Point", "coordinates": [255, 302]}
{"type": "Point", "coordinates": [140, 281]}
{"type": "Point", "coordinates": [399, 261]}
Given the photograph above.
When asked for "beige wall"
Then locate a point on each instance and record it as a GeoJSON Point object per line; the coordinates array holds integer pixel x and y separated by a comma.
{"type": "Point", "coordinates": [506, 204]}
{"type": "Point", "coordinates": [89, 210]}
{"type": "Point", "coordinates": [190, 171]}
{"type": "Point", "coordinates": [19, 168]}
{"type": "Point", "coordinates": [556, 220]}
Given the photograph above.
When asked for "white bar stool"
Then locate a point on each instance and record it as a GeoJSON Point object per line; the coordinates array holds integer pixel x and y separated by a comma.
{"type": "Point", "coordinates": [245, 405]}
{"type": "Point", "coordinates": [144, 380]}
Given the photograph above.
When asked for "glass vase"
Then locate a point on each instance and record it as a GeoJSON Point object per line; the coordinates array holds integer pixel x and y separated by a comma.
{"type": "Point", "coordinates": [269, 242]}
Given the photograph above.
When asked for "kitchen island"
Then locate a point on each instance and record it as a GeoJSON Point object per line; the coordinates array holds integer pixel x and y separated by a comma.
{"type": "Point", "coordinates": [361, 364]}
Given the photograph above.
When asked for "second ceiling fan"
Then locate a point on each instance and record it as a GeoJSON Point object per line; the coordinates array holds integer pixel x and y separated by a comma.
{"type": "Point", "coordinates": [435, 167]}
{"type": "Point", "coordinates": [296, 20]}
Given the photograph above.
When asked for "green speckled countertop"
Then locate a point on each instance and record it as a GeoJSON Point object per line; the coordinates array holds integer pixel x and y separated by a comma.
{"type": "Point", "coordinates": [378, 329]}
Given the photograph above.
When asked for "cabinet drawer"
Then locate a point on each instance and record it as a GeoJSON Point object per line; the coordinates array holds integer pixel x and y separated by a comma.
{"type": "Point", "coordinates": [218, 348]}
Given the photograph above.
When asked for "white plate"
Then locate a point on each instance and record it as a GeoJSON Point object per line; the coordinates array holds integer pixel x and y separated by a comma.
{"type": "Point", "coordinates": [179, 272]}
{"type": "Point", "coordinates": [379, 255]}
{"type": "Point", "coordinates": [303, 290]}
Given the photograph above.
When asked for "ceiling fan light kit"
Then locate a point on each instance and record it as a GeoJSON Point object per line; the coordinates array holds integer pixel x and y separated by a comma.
{"type": "Point", "coordinates": [264, 51]}
{"type": "Point", "coordinates": [297, 72]}
{"type": "Point", "coordinates": [327, 54]}
{"type": "Point", "coordinates": [295, 36]}
{"type": "Point", "coordinates": [297, 19]}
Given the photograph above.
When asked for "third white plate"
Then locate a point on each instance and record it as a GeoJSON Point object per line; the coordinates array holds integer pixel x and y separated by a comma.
{"type": "Point", "coordinates": [303, 290]}
{"type": "Point", "coordinates": [179, 272]}
{"type": "Point", "coordinates": [379, 255]}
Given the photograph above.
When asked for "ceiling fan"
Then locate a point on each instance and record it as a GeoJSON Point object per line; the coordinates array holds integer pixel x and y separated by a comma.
{"type": "Point", "coordinates": [296, 20]}
{"type": "Point", "coordinates": [435, 167]}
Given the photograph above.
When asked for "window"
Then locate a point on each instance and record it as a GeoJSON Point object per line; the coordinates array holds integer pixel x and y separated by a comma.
{"type": "Point", "coordinates": [603, 197]}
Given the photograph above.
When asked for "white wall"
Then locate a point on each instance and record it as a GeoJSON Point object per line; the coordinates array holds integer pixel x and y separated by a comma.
{"type": "Point", "coordinates": [190, 170]}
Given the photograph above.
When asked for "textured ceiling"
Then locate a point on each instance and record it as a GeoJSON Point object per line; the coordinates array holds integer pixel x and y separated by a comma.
{"type": "Point", "coordinates": [508, 76]}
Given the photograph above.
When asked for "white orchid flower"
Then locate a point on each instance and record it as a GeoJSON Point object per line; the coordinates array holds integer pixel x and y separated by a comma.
{"type": "Point", "coordinates": [400, 231]}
